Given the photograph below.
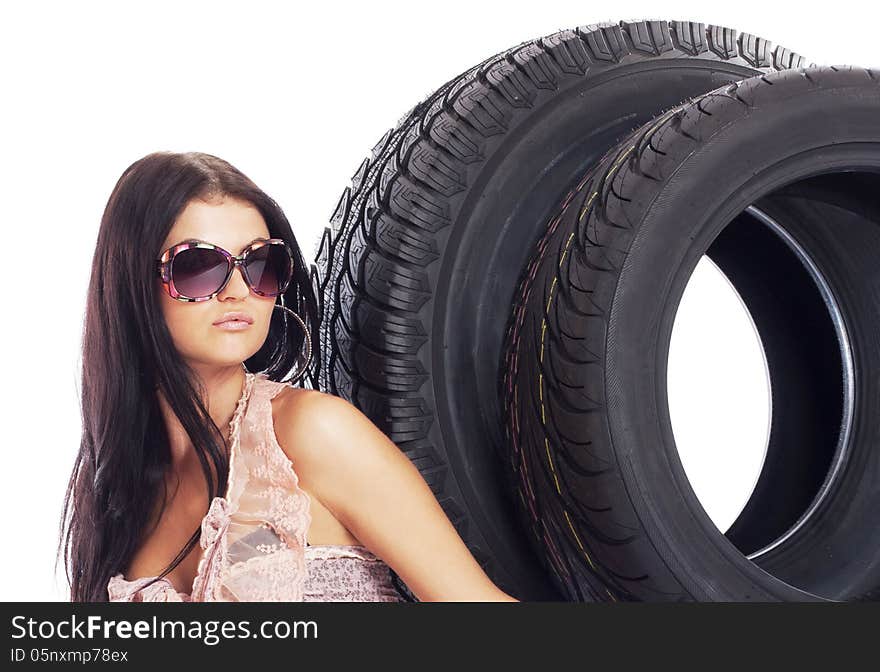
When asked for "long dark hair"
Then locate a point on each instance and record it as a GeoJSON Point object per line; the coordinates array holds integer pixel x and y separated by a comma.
{"type": "Point", "coordinates": [128, 355]}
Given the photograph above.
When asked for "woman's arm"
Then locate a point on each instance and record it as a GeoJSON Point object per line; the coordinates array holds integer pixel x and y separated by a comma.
{"type": "Point", "coordinates": [379, 496]}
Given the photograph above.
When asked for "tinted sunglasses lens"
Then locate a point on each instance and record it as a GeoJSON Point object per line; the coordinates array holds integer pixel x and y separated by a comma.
{"type": "Point", "coordinates": [268, 268]}
{"type": "Point", "coordinates": [198, 272]}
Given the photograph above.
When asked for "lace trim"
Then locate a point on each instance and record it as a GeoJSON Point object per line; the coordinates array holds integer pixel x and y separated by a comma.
{"type": "Point", "coordinates": [213, 543]}
{"type": "Point", "coordinates": [163, 590]}
{"type": "Point", "coordinates": [216, 521]}
{"type": "Point", "coordinates": [290, 505]}
{"type": "Point", "coordinates": [329, 551]}
{"type": "Point", "coordinates": [121, 590]}
{"type": "Point", "coordinates": [234, 434]}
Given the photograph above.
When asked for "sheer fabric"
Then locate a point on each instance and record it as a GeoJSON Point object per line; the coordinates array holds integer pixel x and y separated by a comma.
{"type": "Point", "coordinates": [253, 540]}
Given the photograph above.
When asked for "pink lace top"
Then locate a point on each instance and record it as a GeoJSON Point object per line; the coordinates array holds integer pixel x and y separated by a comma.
{"type": "Point", "coordinates": [254, 540]}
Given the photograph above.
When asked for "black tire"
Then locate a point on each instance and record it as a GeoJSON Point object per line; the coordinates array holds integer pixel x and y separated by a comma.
{"type": "Point", "coordinates": [776, 179]}
{"type": "Point", "coordinates": [418, 271]}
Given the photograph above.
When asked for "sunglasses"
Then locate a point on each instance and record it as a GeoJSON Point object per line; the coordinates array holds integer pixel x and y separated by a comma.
{"type": "Point", "coordinates": [198, 271]}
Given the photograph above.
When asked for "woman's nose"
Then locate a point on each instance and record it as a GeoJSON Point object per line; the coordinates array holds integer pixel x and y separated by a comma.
{"type": "Point", "coordinates": [237, 285]}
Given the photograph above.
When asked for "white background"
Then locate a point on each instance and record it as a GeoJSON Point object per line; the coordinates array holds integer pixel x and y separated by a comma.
{"type": "Point", "coordinates": [294, 97]}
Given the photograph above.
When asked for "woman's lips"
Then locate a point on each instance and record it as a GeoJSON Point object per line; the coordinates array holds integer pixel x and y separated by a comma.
{"type": "Point", "coordinates": [232, 325]}
{"type": "Point", "coordinates": [235, 320]}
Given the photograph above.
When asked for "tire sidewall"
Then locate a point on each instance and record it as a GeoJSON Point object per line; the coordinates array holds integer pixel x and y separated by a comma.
{"type": "Point", "coordinates": [491, 240]}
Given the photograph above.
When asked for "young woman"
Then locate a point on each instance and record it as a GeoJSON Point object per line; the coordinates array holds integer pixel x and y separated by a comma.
{"type": "Point", "coordinates": [201, 474]}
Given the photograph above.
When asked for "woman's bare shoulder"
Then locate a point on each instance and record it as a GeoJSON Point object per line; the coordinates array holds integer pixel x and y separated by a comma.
{"type": "Point", "coordinates": [290, 395]}
{"type": "Point", "coordinates": [304, 419]}
{"type": "Point", "coordinates": [290, 401]}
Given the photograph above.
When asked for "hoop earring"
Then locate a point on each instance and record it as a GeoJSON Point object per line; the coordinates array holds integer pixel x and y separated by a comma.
{"type": "Point", "coordinates": [308, 339]}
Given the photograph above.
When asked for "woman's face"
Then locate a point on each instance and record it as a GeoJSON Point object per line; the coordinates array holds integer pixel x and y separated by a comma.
{"type": "Point", "coordinates": [232, 224]}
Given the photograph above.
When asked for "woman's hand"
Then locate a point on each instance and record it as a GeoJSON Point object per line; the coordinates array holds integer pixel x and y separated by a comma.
{"type": "Point", "coordinates": [372, 489]}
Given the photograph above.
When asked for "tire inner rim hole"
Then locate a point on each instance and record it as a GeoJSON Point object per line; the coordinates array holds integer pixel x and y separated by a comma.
{"type": "Point", "coordinates": [719, 394]}
{"type": "Point", "coordinates": [761, 431]}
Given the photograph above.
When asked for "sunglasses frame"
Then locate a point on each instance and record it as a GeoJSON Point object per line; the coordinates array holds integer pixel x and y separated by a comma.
{"type": "Point", "coordinates": [163, 266]}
